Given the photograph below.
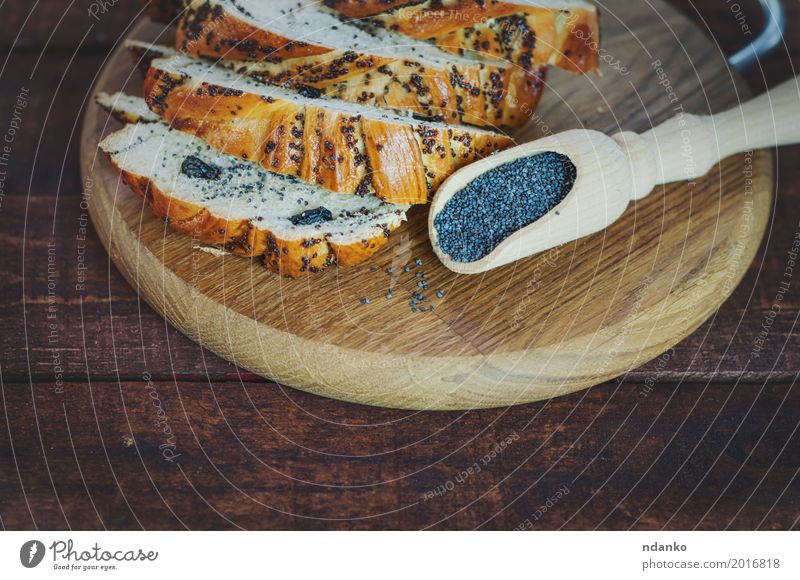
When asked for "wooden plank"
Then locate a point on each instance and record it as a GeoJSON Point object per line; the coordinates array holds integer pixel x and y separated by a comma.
{"type": "Point", "coordinates": [58, 25]}
{"type": "Point", "coordinates": [255, 456]}
{"type": "Point", "coordinates": [40, 110]}
{"type": "Point", "coordinates": [69, 308]}
{"type": "Point", "coordinates": [123, 335]}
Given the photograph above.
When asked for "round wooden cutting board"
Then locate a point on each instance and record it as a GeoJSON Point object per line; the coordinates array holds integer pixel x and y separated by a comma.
{"type": "Point", "coordinates": [543, 327]}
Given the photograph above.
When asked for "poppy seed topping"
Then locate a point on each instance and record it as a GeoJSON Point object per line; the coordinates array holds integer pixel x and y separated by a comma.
{"type": "Point", "coordinates": [502, 201]}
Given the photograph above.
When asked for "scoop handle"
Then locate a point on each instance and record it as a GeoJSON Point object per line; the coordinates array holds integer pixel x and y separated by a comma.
{"type": "Point", "coordinates": [688, 146]}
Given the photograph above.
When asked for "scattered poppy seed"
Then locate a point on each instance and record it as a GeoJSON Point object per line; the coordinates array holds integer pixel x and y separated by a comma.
{"type": "Point", "coordinates": [407, 269]}
{"type": "Point", "coordinates": [440, 293]}
{"type": "Point", "coordinates": [418, 262]}
{"type": "Point", "coordinates": [390, 270]}
{"type": "Point", "coordinates": [365, 301]}
{"type": "Point", "coordinates": [502, 201]}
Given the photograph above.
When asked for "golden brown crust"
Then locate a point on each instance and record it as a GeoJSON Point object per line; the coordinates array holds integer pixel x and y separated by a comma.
{"type": "Point", "coordinates": [322, 147]}
{"type": "Point", "coordinates": [476, 95]}
{"type": "Point", "coordinates": [332, 150]}
{"type": "Point", "coordinates": [291, 258]}
{"type": "Point", "coordinates": [399, 164]}
{"type": "Point", "coordinates": [527, 36]}
{"type": "Point", "coordinates": [580, 42]}
{"type": "Point", "coordinates": [348, 255]}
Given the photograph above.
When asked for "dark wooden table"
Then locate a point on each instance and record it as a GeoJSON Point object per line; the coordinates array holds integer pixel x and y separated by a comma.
{"type": "Point", "coordinates": [109, 418]}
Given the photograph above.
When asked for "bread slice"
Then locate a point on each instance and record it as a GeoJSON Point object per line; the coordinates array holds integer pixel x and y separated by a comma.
{"type": "Point", "coordinates": [341, 146]}
{"type": "Point", "coordinates": [562, 33]}
{"type": "Point", "coordinates": [237, 205]}
{"type": "Point", "coordinates": [304, 44]}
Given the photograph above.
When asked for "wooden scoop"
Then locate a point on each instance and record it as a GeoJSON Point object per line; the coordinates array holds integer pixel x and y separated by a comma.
{"type": "Point", "coordinates": [612, 171]}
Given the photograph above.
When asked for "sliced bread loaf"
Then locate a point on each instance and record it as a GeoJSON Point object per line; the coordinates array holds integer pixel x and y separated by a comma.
{"type": "Point", "coordinates": [221, 200]}
{"type": "Point", "coordinates": [305, 44]}
{"type": "Point", "coordinates": [532, 33]}
{"type": "Point", "coordinates": [341, 146]}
